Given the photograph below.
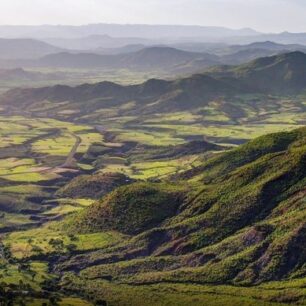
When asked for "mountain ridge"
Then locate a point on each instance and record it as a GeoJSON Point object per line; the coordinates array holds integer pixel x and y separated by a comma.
{"type": "Point", "coordinates": [154, 57]}
{"type": "Point", "coordinates": [129, 30]}
{"type": "Point", "coordinates": [281, 74]}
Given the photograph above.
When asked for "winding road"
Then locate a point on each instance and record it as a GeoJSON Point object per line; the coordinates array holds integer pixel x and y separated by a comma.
{"type": "Point", "coordinates": [70, 160]}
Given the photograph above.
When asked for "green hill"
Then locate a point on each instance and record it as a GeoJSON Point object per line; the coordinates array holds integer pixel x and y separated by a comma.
{"type": "Point", "coordinates": [93, 186]}
{"type": "Point", "coordinates": [241, 221]}
{"type": "Point", "coordinates": [130, 209]}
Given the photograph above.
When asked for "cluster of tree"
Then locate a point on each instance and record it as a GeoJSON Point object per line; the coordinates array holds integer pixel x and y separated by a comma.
{"type": "Point", "coordinates": [19, 295]}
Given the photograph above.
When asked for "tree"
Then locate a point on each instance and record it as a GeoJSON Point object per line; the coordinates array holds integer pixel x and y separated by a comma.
{"type": "Point", "coordinates": [37, 249]}
{"type": "Point", "coordinates": [71, 247]}
{"type": "Point", "coordinates": [57, 244]}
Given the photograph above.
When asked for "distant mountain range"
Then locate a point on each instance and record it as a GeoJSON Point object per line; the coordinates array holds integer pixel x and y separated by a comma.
{"type": "Point", "coordinates": [120, 30]}
{"type": "Point", "coordinates": [282, 74]}
{"type": "Point", "coordinates": [121, 50]}
{"type": "Point", "coordinates": [93, 42]}
{"type": "Point", "coordinates": [282, 38]}
{"type": "Point", "coordinates": [163, 58]}
{"type": "Point", "coordinates": [265, 45]}
{"type": "Point", "coordinates": [25, 48]}
{"type": "Point", "coordinates": [88, 36]}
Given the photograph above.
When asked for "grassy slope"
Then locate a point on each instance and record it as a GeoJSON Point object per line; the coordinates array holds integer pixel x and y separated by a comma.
{"type": "Point", "coordinates": [243, 223]}
{"type": "Point", "coordinates": [130, 209]}
{"type": "Point", "coordinates": [94, 186]}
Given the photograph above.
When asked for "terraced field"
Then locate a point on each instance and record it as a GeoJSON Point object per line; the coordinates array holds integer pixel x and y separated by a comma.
{"type": "Point", "coordinates": [35, 155]}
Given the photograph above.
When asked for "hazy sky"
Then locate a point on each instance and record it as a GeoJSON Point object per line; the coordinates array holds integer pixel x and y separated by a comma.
{"type": "Point", "coordinates": [263, 15]}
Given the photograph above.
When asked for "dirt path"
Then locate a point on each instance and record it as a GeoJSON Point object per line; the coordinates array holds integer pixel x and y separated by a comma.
{"type": "Point", "coordinates": [70, 160]}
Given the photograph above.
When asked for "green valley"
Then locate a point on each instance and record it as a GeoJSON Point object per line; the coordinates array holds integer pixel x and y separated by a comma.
{"type": "Point", "coordinates": [172, 192]}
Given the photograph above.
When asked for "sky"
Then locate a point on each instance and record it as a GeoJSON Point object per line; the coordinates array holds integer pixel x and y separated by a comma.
{"type": "Point", "coordinates": [261, 15]}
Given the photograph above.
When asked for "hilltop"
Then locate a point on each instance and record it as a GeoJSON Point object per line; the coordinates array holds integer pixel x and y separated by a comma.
{"type": "Point", "coordinates": [134, 55]}
{"type": "Point", "coordinates": [130, 209]}
{"type": "Point", "coordinates": [93, 186]}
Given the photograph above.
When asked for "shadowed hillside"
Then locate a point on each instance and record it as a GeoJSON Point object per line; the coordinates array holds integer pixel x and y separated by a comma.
{"type": "Point", "coordinates": [282, 74]}
{"type": "Point", "coordinates": [151, 96]}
